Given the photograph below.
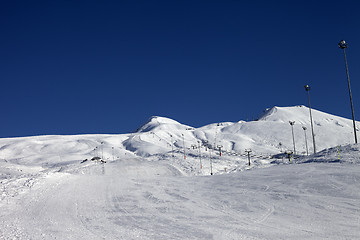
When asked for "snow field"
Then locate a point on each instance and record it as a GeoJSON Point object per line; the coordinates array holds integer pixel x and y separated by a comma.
{"type": "Point", "coordinates": [137, 199]}
{"type": "Point", "coordinates": [147, 189]}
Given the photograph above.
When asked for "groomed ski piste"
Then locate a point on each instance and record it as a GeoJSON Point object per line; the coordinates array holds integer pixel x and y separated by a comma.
{"type": "Point", "coordinates": [156, 183]}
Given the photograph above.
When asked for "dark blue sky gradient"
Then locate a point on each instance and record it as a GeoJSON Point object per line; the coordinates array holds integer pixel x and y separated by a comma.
{"type": "Point", "coordinates": [70, 67]}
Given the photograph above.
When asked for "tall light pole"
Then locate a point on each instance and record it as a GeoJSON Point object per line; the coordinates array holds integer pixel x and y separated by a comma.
{"type": "Point", "coordinates": [113, 153]}
{"type": "Point", "coordinates": [95, 152]}
{"type": "Point", "coordinates": [200, 154]}
{"type": "Point", "coordinates": [307, 89]}
{"type": "Point", "coordinates": [102, 150]}
{"type": "Point", "coordinates": [172, 145]}
{"type": "Point", "coordinates": [211, 167]}
{"type": "Point", "coordinates": [184, 145]}
{"type": "Point", "coordinates": [307, 151]}
{"type": "Point", "coordinates": [292, 131]}
{"type": "Point", "coordinates": [343, 45]}
{"type": "Point", "coordinates": [207, 146]}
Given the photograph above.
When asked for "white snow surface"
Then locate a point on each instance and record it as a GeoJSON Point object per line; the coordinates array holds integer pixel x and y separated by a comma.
{"type": "Point", "coordinates": [146, 185]}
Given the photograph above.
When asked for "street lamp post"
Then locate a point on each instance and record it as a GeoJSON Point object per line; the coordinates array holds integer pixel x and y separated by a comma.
{"type": "Point", "coordinates": [172, 145]}
{"type": "Point", "coordinates": [211, 167]}
{"type": "Point", "coordinates": [95, 152]}
{"type": "Point", "coordinates": [113, 153]}
{"type": "Point", "coordinates": [343, 45]}
{"type": "Point", "coordinates": [307, 151]}
{"type": "Point", "coordinates": [200, 154]}
{"type": "Point", "coordinates": [184, 145]}
{"type": "Point", "coordinates": [292, 131]}
{"type": "Point", "coordinates": [208, 146]}
{"type": "Point", "coordinates": [307, 89]}
{"type": "Point", "coordinates": [102, 150]}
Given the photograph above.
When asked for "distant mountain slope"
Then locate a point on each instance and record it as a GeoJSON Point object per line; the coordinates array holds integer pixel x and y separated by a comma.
{"type": "Point", "coordinates": [300, 114]}
{"type": "Point", "coordinates": [270, 134]}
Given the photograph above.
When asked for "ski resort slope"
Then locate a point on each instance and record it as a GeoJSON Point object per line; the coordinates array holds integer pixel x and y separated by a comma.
{"type": "Point", "coordinates": [138, 199]}
{"type": "Point", "coordinates": [156, 183]}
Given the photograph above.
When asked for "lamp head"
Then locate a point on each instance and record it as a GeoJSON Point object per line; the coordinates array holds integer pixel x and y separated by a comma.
{"type": "Point", "coordinates": [342, 44]}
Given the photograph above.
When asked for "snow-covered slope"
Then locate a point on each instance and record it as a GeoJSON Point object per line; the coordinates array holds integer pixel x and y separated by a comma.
{"type": "Point", "coordinates": [270, 134]}
{"type": "Point", "coordinates": [156, 182]}
{"type": "Point", "coordinates": [42, 150]}
{"type": "Point", "coordinates": [329, 130]}
{"type": "Point", "coordinates": [136, 199]}
{"type": "Point", "coordinates": [349, 154]}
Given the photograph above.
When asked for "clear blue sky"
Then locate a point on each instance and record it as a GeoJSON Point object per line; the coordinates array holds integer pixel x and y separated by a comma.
{"type": "Point", "coordinates": [70, 67]}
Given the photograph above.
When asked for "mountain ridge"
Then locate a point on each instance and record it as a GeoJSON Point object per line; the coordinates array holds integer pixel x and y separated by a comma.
{"type": "Point", "coordinates": [270, 134]}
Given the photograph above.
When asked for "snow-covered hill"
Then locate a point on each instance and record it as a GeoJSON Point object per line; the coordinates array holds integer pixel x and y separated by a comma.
{"type": "Point", "coordinates": [270, 134]}
{"type": "Point", "coordinates": [156, 182]}
{"type": "Point", "coordinates": [191, 149]}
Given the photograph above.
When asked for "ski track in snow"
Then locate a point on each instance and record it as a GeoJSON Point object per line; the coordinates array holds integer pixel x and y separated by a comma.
{"type": "Point", "coordinates": [136, 199]}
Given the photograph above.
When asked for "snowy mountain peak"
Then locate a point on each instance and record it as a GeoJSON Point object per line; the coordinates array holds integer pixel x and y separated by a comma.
{"type": "Point", "coordinates": [155, 122]}
{"type": "Point", "coordinates": [301, 115]}
{"type": "Point", "coordinates": [267, 112]}
{"type": "Point", "coordinates": [285, 114]}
